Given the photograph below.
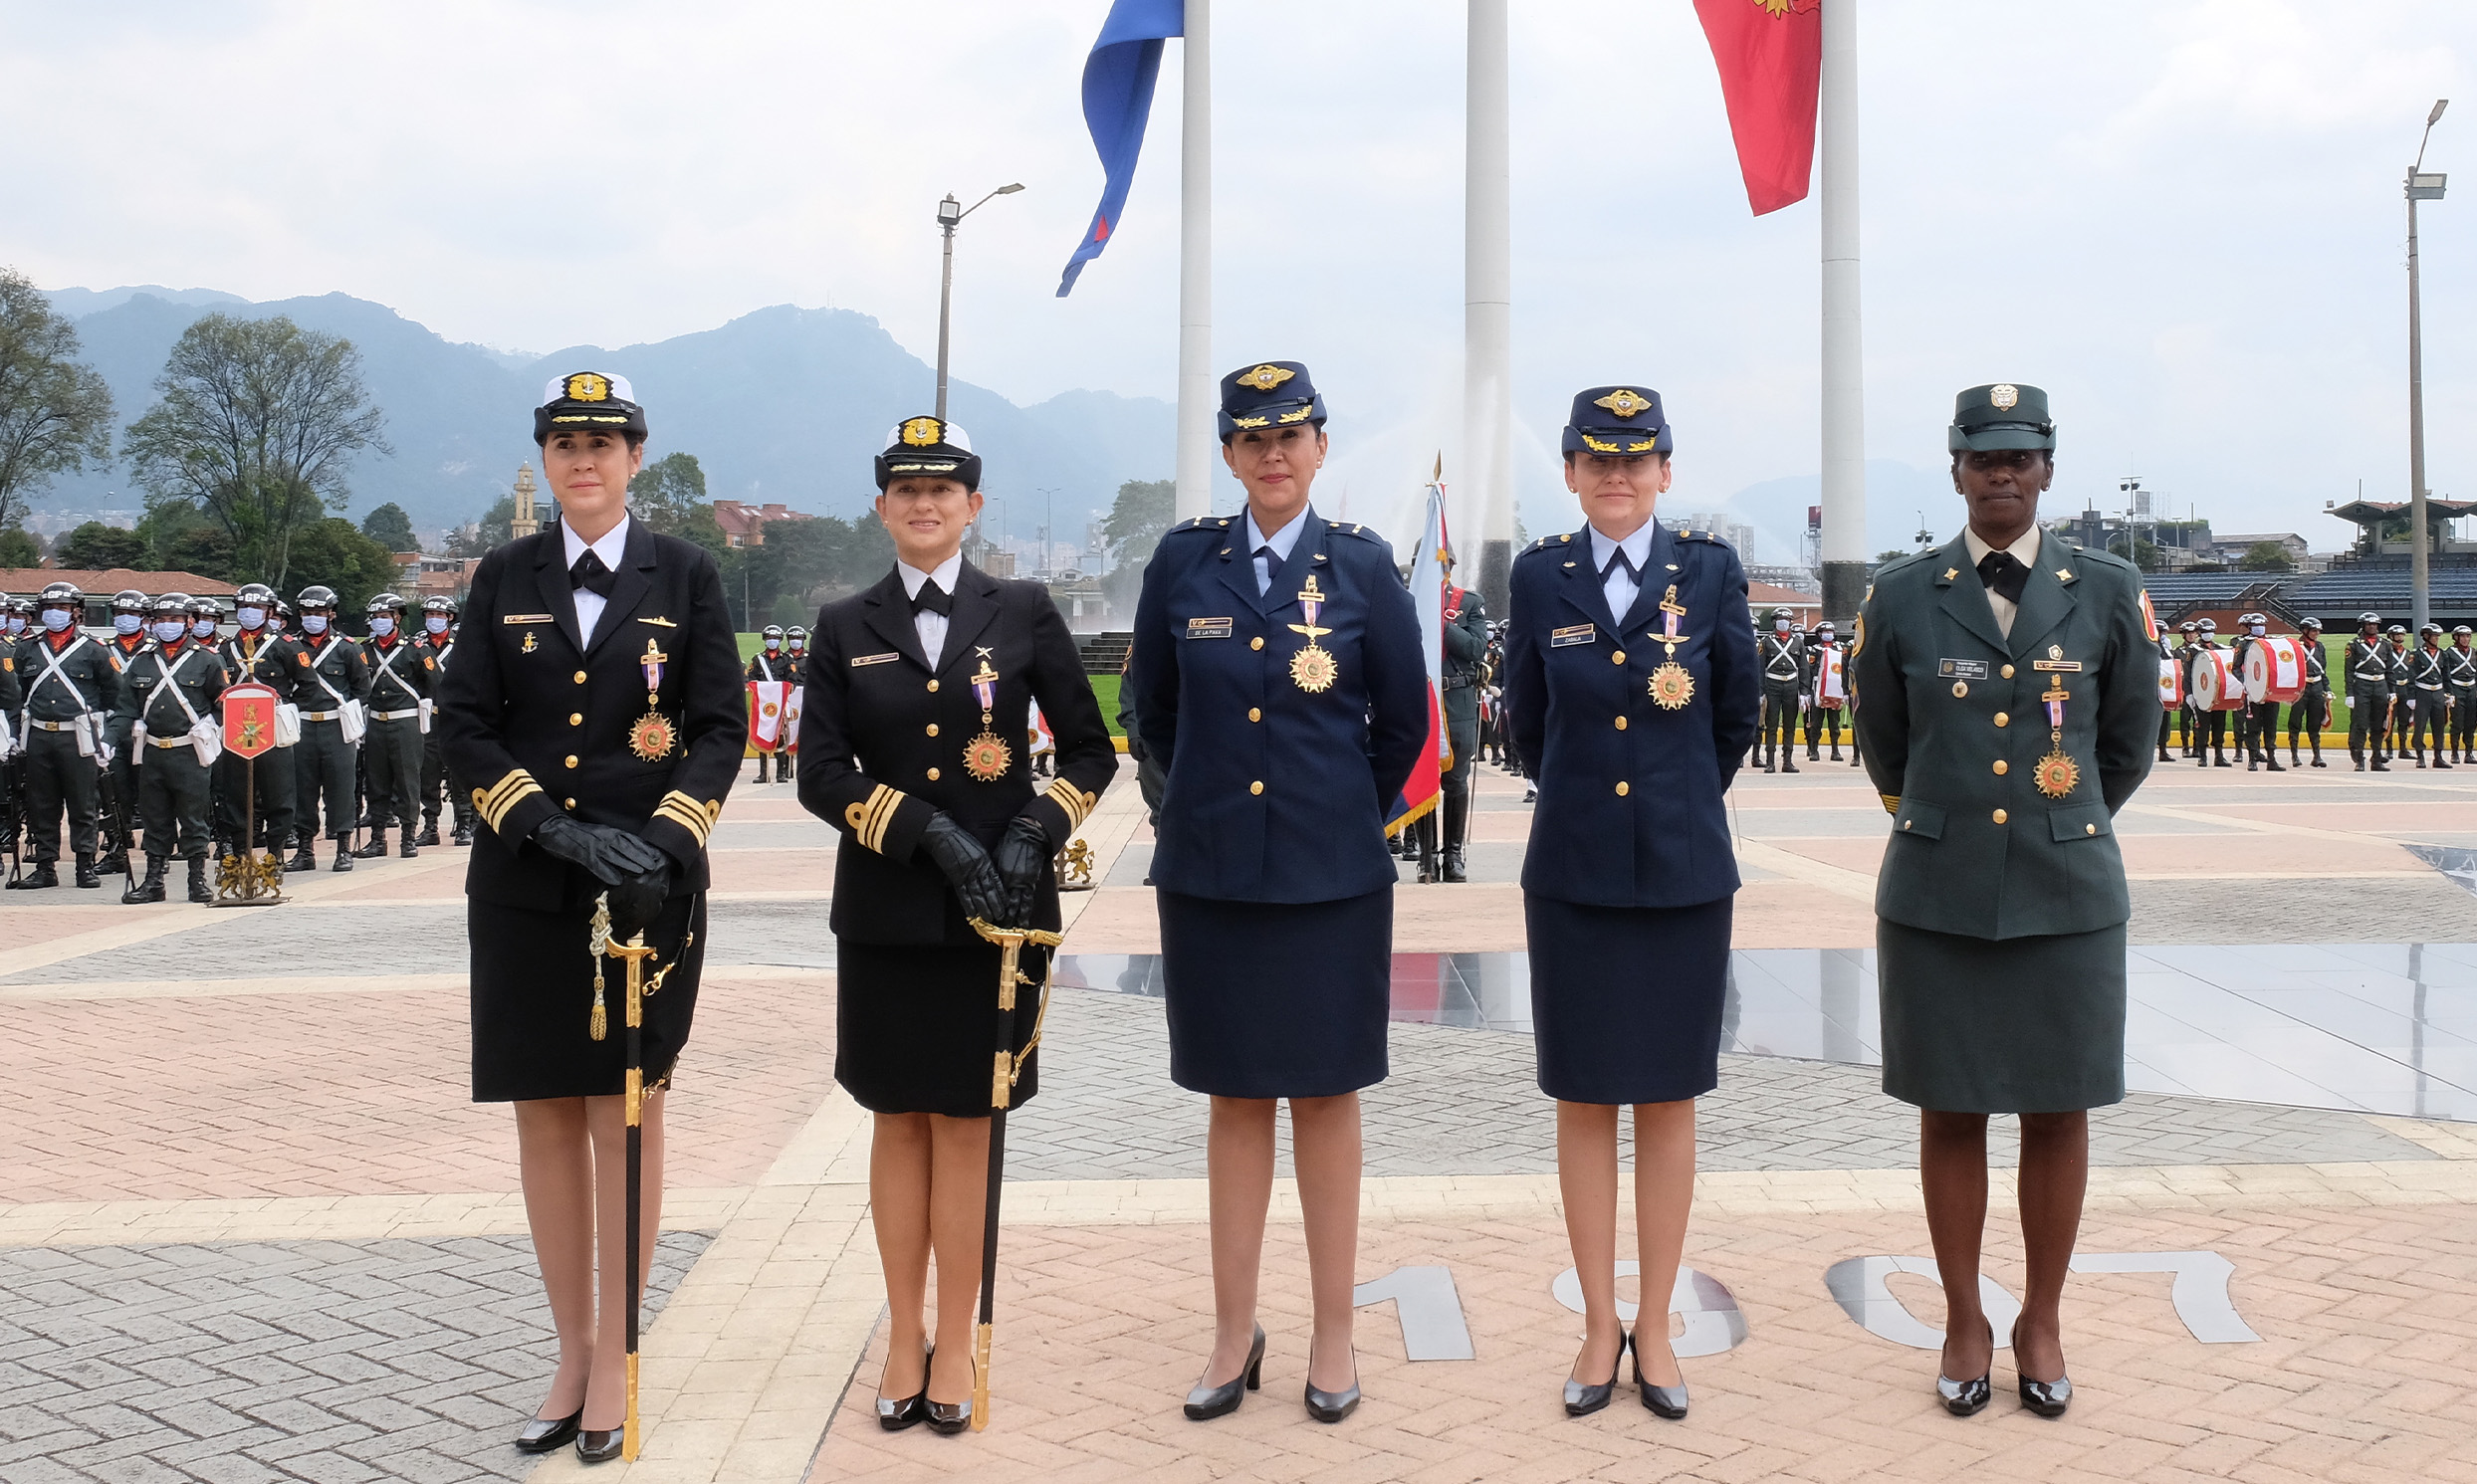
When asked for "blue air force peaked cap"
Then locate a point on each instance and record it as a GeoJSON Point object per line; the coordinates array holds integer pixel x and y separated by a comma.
{"type": "Point", "coordinates": [588, 402]}
{"type": "Point", "coordinates": [2001, 415]}
{"type": "Point", "coordinates": [1269, 394]}
{"type": "Point", "coordinates": [1616, 422]}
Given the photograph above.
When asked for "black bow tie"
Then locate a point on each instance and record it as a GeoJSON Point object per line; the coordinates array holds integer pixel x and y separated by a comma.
{"type": "Point", "coordinates": [2004, 574]}
{"type": "Point", "coordinates": [934, 598]}
{"type": "Point", "coordinates": [591, 574]}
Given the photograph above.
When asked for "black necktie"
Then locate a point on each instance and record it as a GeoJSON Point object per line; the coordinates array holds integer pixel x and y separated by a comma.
{"type": "Point", "coordinates": [1621, 560]}
{"type": "Point", "coordinates": [933, 598]}
{"type": "Point", "coordinates": [2004, 574]}
{"type": "Point", "coordinates": [590, 575]}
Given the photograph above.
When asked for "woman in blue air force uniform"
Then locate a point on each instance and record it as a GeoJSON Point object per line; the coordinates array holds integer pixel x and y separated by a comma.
{"type": "Point", "coordinates": [1631, 687]}
{"type": "Point", "coordinates": [1278, 680]}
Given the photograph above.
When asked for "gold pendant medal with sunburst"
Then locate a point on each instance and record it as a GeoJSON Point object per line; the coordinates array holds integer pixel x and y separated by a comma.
{"type": "Point", "coordinates": [1672, 686]}
{"type": "Point", "coordinates": [1314, 670]}
{"type": "Point", "coordinates": [987, 757]}
{"type": "Point", "coordinates": [2056, 774]}
{"type": "Point", "coordinates": [652, 738]}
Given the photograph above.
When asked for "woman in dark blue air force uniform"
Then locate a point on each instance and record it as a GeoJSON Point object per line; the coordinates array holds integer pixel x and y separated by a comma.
{"type": "Point", "coordinates": [1632, 688]}
{"type": "Point", "coordinates": [1278, 680]}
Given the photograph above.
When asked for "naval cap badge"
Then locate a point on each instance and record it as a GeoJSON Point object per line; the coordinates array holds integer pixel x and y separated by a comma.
{"type": "Point", "coordinates": [921, 432]}
{"type": "Point", "coordinates": [588, 386]}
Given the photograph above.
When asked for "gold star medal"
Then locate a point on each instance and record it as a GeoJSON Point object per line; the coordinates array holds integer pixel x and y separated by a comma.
{"type": "Point", "coordinates": [987, 757]}
{"type": "Point", "coordinates": [2056, 774]}
{"type": "Point", "coordinates": [1312, 668]}
{"type": "Point", "coordinates": [653, 736]}
{"type": "Point", "coordinates": [1671, 685]}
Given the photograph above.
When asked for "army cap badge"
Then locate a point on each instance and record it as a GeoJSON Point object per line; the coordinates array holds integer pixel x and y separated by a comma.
{"type": "Point", "coordinates": [2000, 415]}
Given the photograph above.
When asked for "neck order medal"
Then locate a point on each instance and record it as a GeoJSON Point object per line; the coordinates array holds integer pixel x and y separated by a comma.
{"type": "Point", "coordinates": [1671, 685]}
{"type": "Point", "coordinates": [987, 757]}
{"type": "Point", "coordinates": [1312, 668]}
{"type": "Point", "coordinates": [652, 738]}
{"type": "Point", "coordinates": [2056, 774]}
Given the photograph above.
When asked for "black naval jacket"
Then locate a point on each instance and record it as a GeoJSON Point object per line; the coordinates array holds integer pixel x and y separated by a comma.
{"type": "Point", "coordinates": [882, 739]}
{"type": "Point", "coordinates": [535, 721]}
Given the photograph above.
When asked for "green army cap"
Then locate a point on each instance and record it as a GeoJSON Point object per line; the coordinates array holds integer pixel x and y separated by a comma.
{"type": "Point", "coordinates": [2001, 415]}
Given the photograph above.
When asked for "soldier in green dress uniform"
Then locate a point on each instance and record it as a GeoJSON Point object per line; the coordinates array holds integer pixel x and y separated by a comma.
{"type": "Point", "coordinates": [2006, 686]}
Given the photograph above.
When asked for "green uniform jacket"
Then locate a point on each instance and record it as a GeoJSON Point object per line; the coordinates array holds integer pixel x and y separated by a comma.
{"type": "Point", "coordinates": [1951, 730]}
{"type": "Point", "coordinates": [1466, 645]}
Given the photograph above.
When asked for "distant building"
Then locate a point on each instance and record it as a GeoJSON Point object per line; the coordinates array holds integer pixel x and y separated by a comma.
{"type": "Point", "coordinates": [100, 586]}
{"type": "Point", "coordinates": [419, 575]}
{"type": "Point", "coordinates": [524, 522]}
{"type": "Point", "coordinates": [1737, 532]}
{"type": "Point", "coordinates": [744, 525]}
{"type": "Point", "coordinates": [1762, 597]}
{"type": "Point", "coordinates": [2234, 547]}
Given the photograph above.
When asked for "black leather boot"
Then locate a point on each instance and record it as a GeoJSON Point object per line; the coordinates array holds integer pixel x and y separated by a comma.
{"type": "Point", "coordinates": [87, 876]}
{"type": "Point", "coordinates": [375, 850]}
{"type": "Point", "coordinates": [463, 834]}
{"type": "Point", "coordinates": [1457, 822]}
{"type": "Point", "coordinates": [151, 889]}
{"type": "Point", "coordinates": [303, 859]}
{"type": "Point", "coordinates": [40, 876]}
{"type": "Point", "coordinates": [344, 855]}
{"type": "Point", "coordinates": [408, 850]}
{"type": "Point", "coordinates": [429, 830]}
{"type": "Point", "coordinates": [199, 891]}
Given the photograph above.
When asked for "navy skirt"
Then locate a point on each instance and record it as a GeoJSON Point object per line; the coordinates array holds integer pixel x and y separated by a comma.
{"type": "Point", "coordinates": [1276, 999]}
{"type": "Point", "coordinates": [916, 1026]}
{"type": "Point", "coordinates": [532, 990]}
{"type": "Point", "coordinates": [1625, 1001]}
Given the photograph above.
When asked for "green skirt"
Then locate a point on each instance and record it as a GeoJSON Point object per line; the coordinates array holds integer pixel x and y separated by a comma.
{"type": "Point", "coordinates": [2002, 1025]}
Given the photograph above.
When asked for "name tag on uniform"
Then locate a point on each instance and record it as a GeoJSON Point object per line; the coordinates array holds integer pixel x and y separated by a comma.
{"type": "Point", "coordinates": [1581, 633]}
{"type": "Point", "coordinates": [1207, 628]}
{"type": "Point", "coordinates": [1961, 669]}
{"type": "Point", "coordinates": [2068, 666]}
{"type": "Point", "coordinates": [875, 659]}
{"type": "Point", "coordinates": [523, 618]}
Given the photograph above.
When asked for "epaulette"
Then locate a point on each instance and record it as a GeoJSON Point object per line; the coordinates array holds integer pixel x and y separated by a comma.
{"type": "Point", "coordinates": [1200, 523]}
{"type": "Point", "coordinates": [1546, 541]}
{"type": "Point", "coordinates": [1354, 528]}
{"type": "Point", "coordinates": [1702, 535]}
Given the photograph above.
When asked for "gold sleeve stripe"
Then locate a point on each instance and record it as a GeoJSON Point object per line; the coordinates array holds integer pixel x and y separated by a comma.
{"type": "Point", "coordinates": [495, 801]}
{"type": "Point", "coordinates": [1891, 803]}
{"type": "Point", "coordinates": [1073, 800]}
{"type": "Point", "coordinates": [688, 815]}
{"type": "Point", "coordinates": [868, 819]}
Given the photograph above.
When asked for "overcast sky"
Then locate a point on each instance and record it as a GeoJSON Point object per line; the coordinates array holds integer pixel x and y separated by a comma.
{"type": "Point", "coordinates": [2182, 217]}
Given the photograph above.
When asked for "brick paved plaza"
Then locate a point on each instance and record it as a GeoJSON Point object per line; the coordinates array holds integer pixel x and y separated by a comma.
{"type": "Point", "coordinates": [253, 1230]}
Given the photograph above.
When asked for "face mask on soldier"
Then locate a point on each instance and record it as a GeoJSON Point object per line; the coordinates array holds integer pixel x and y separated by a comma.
{"type": "Point", "coordinates": [436, 623]}
{"type": "Point", "coordinates": [314, 623]}
{"type": "Point", "coordinates": [169, 630]}
{"type": "Point", "coordinates": [128, 623]}
{"type": "Point", "coordinates": [205, 628]}
{"type": "Point", "coordinates": [380, 626]}
{"type": "Point", "coordinates": [56, 620]}
{"type": "Point", "coordinates": [773, 644]}
{"type": "Point", "coordinates": [252, 618]}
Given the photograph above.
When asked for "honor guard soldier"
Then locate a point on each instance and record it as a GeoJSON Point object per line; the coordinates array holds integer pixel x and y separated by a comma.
{"type": "Point", "coordinates": [1823, 715]}
{"type": "Point", "coordinates": [595, 719]}
{"type": "Point", "coordinates": [2187, 635]}
{"type": "Point", "coordinates": [2006, 690]}
{"type": "Point", "coordinates": [2429, 697]}
{"type": "Point", "coordinates": [2261, 716]}
{"type": "Point", "coordinates": [403, 674]}
{"type": "Point", "coordinates": [2166, 713]}
{"type": "Point", "coordinates": [2397, 731]}
{"type": "Point", "coordinates": [282, 622]}
{"type": "Point", "coordinates": [334, 697]}
{"type": "Point", "coordinates": [1465, 646]}
{"type": "Point", "coordinates": [2367, 671]}
{"type": "Point", "coordinates": [795, 655]}
{"type": "Point", "coordinates": [2211, 746]}
{"type": "Point", "coordinates": [2310, 709]}
{"type": "Point", "coordinates": [770, 663]}
{"type": "Point", "coordinates": [256, 653]}
{"type": "Point", "coordinates": [117, 807]}
{"type": "Point", "coordinates": [438, 635]}
{"type": "Point", "coordinates": [168, 695]}
{"type": "Point", "coordinates": [71, 687]}
{"type": "Point", "coordinates": [2459, 672]}
{"type": "Point", "coordinates": [1782, 656]}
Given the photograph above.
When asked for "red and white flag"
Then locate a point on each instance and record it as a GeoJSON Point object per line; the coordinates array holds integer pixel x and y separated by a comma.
{"type": "Point", "coordinates": [766, 698]}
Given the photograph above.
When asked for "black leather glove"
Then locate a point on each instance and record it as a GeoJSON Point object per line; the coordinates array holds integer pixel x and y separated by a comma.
{"type": "Point", "coordinates": [637, 899]}
{"type": "Point", "coordinates": [1136, 749]}
{"type": "Point", "coordinates": [610, 855]}
{"type": "Point", "coordinates": [1021, 851]}
{"type": "Point", "coordinates": [954, 852]}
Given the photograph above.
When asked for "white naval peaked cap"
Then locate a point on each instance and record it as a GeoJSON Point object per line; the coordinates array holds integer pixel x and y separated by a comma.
{"type": "Point", "coordinates": [927, 432]}
{"type": "Point", "coordinates": [616, 389]}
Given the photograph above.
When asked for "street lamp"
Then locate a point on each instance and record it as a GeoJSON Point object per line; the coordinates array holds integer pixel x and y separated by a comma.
{"type": "Point", "coordinates": [950, 212]}
{"type": "Point", "coordinates": [2420, 187]}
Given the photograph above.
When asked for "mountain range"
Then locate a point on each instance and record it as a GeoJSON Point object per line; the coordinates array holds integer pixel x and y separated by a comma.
{"type": "Point", "coordinates": [781, 405]}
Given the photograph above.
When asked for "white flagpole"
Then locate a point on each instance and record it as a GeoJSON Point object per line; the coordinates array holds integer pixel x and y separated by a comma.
{"type": "Point", "coordinates": [1197, 383]}
{"type": "Point", "coordinates": [1843, 396]}
{"type": "Point", "coordinates": [1488, 306]}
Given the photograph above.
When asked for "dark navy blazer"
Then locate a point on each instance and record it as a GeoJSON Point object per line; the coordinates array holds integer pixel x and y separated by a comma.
{"type": "Point", "coordinates": [1275, 793]}
{"type": "Point", "coordinates": [1631, 811]}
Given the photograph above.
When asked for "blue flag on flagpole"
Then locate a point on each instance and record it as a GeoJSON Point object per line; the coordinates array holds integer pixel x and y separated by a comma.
{"type": "Point", "coordinates": [1117, 100]}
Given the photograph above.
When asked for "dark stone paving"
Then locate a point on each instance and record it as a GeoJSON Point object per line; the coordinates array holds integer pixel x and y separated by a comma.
{"type": "Point", "coordinates": [248, 1362]}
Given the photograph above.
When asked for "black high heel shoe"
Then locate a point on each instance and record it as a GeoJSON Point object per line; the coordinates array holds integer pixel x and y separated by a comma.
{"type": "Point", "coordinates": [1204, 1403]}
{"type": "Point", "coordinates": [1967, 1399]}
{"type": "Point", "coordinates": [1663, 1402]}
{"type": "Point", "coordinates": [2048, 1399]}
{"type": "Point", "coordinates": [1333, 1406]}
{"type": "Point", "coordinates": [1582, 1399]}
{"type": "Point", "coordinates": [896, 1415]}
{"type": "Point", "coordinates": [547, 1434]}
{"type": "Point", "coordinates": [595, 1446]}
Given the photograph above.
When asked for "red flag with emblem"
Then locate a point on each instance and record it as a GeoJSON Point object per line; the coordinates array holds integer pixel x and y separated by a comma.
{"type": "Point", "coordinates": [1770, 53]}
{"type": "Point", "coordinates": [248, 719]}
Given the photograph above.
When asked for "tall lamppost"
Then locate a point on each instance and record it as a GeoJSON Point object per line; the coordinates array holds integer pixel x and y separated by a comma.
{"type": "Point", "coordinates": [2421, 187]}
{"type": "Point", "coordinates": [950, 212]}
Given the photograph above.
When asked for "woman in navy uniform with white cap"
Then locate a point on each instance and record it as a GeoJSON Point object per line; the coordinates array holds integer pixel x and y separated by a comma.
{"type": "Point", "coordinates": [1632, 688]}
{"type": "Point", "coordinates": [907, 753]}
{"type": "Point", "coordinates": [1279, 679]}
{"type": "Point", "coordinates": [594, 711]}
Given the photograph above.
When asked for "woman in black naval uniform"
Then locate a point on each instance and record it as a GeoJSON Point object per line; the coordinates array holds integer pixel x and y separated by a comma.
{"type": "Point", "coordinates": [1632, 688]}
{"type": "Point", "coordinates": [595, 714]}
{"type": "Point", "coordinates": [1279, 679]}
{"type": "Point", "coordinates": [912, 746]}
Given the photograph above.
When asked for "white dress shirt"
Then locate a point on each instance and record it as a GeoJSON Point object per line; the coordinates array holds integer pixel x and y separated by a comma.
{"type": "Point", "coordinates": [930, 625]}
{"type": "Point", "coordinates": [1619, 588]}
{"type": "Point", "coordinates": [1282, 541]}
{"type": "Point", "coordinates": [2024, 550]}
{"type": "Point", "coordinates": [612, 546]}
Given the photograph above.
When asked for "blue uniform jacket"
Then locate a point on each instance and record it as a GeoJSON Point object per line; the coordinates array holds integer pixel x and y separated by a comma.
{"type": "Point", "coordinates": [1276, 794]}
{"type": "Point", "coordinates": [1630, 811]}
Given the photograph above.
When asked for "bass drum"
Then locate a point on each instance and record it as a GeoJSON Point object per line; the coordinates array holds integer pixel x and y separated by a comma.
{"type": "Point", "coordinates": [2213, 682]}
{"type": "Point", "coordinates": [2275, 670]}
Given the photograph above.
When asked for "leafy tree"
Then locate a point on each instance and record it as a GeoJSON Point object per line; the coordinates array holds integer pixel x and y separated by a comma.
{"type": "Point", "coordinates": [19, 549]}
{"type": "Point", "coordinates": [1143, 509]}
{"type": "Point", "coordinates": [95, 547]}
{"type": "Point", "coordinates": [390, 528]}
{"type": "Point", "coordinates": [666, 492]}
{"type": "Point", "coordinates": [1894, 555]}
{"type": "Point", "coordinates": [258, 422]}
{"type": "Point", "coordinates": [55, 411]}
{"type": "Point", "coordinates": [493, 530]}
{"type": "Point", "coordinates": [162, 530]}
{"type": "Point", "coordinates": [2267, 556]}
{"type": "Point", "coordinates": [333, 553]}
{"type": "Point", "coordinates": [203, 549]}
